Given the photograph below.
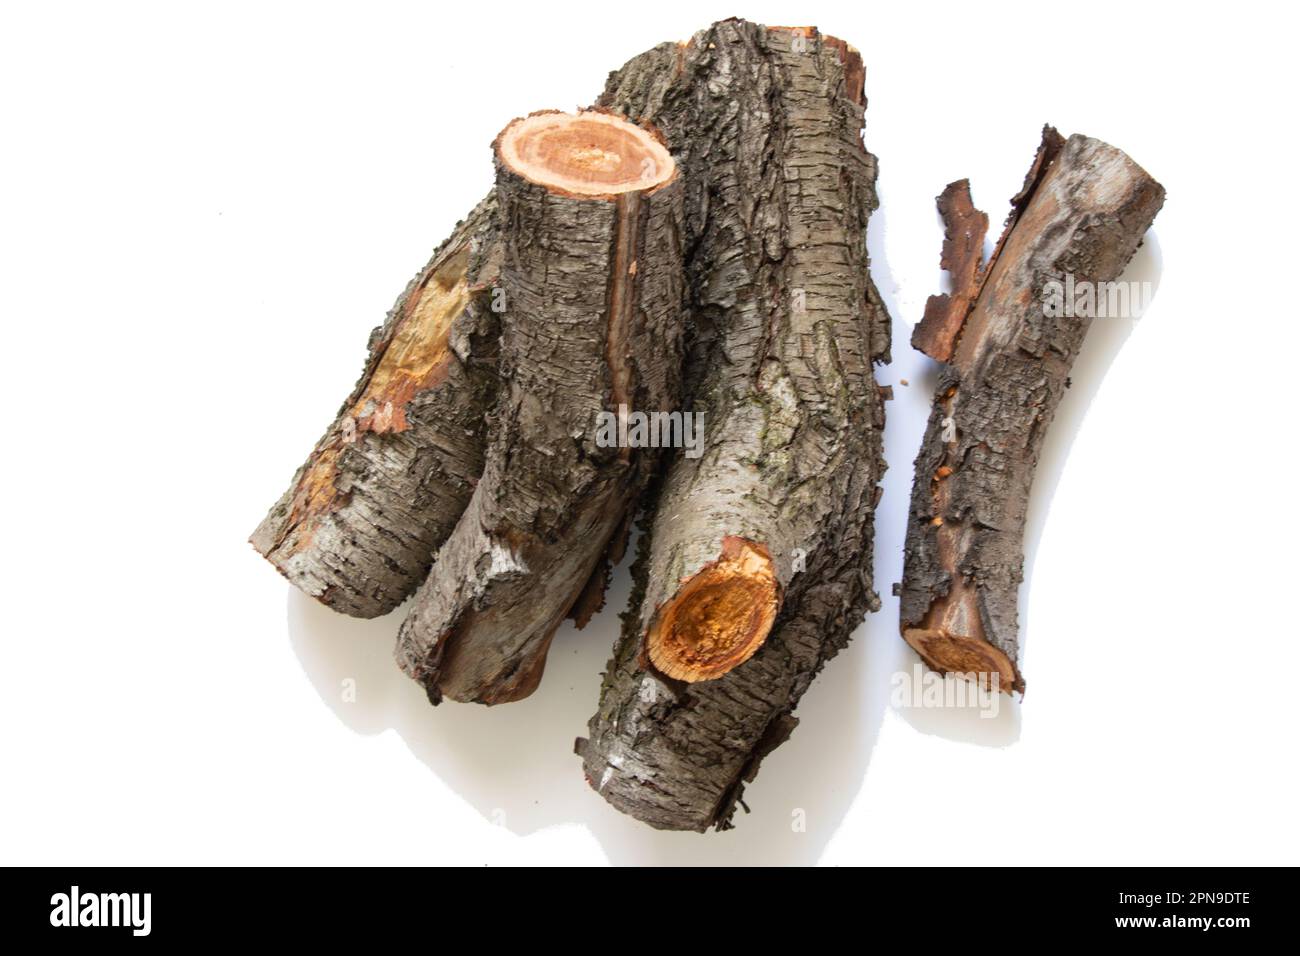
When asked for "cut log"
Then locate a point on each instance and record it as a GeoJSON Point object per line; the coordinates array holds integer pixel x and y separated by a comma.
{"type": "Point", "coordinates": [1081, 215]}
{"type": "Point", "coordinates": [359, 526]}
{"type": "Point", "coordinates": [756, 564]}
{"type": "Point", "coordinates": [383, 488]}
{"type": "Point", "coordinates": [590, 224]}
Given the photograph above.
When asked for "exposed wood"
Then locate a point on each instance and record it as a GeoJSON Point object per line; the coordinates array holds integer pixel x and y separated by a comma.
{"type": "Point", "coordinates": [358, 526]}
{"type": "Point", "coordinates": [719, 616]}
{"type": "Point", "coordinates": [1082, 213]}
{"type": "Point", "coordinates": [362, 520]}
{"type": "Point", "coordinates": [756, 563]}
{"type": "Point", "coordinates": [592, 154]}
{"type": "Point", "coordinates": [590, 224]}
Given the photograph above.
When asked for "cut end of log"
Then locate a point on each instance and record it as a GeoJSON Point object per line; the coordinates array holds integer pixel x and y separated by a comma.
{"type": "Point", "coordinates": [719, 617]}
{"type": "Point", "coordinates": [970, 656]}
{"type": "Point", "coordinates": [588, 154]}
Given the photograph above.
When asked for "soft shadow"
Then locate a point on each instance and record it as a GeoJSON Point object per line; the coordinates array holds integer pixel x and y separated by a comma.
{"type": "Point", "coordinates": [992, 722]}
{"type": "Point", "coordinates": [515, 765]}
{"type": "Point", "coordinates": [512, 763]}
{"type": "Point", "coordinates": [1104, 340]}
{"type": "Point", "coordinates": [799, 798]}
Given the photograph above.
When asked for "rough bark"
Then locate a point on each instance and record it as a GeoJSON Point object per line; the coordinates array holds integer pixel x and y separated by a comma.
{"type": "Point", "coordinates": [762, 545]}
{"type": "Point", "coordinates": [385, 485]}
{"type": "Point", "coordinates": [1082, 212]}
{"type": "Point", "coordinates": [362, 520]}
{"type": "Point", "coordinates": [591, 276]}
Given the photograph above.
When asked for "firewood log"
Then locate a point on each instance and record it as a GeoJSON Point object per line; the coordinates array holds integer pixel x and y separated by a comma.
{"type": "Point", "coordinates": [590, 228]}
{"type": "Point", "coordinates": [359, 524]}
{"type": "Point", "coordinates": [1081, 215]}
{"type": "Point", "coordinates": [756, 563]}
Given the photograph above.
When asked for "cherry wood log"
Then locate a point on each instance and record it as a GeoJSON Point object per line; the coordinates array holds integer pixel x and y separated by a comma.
{"type": "Point", "coordinates": [756, 563]}
{"type": "Point", "coordinates": [358, 527]}
{"type": "Point", "coordinates": [361, 522]}
{"type": "Point", "coordinates": [590, 224]}
{"type": "Point", "coordinates": [1083, 211]}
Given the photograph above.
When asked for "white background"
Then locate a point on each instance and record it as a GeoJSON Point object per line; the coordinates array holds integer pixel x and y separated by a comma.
{"type": "Point", "coordinates": [205, 211]}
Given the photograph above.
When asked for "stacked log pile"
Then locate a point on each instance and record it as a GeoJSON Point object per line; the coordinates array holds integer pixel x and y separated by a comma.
{"type": "Point", "coordinates": [663, 314]}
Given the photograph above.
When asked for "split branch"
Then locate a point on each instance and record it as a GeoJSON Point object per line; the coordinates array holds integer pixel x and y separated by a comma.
{"type": "Point", "coordinates": [1082, 213]}
{"type": "Point", "coordinates": [358, 527]}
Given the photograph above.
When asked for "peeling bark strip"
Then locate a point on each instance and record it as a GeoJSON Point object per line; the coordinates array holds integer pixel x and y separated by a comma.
{"type": "Point", "coordinates": [383, 488]}
{"type": "Point", "coordinates": [1083, 211]}
{"type": "Point", "coordinates": [756, 566]}
{"type": "Point", "coordinates": [590, 221]}
{"type": "Point", "coordinates": [962, 257]}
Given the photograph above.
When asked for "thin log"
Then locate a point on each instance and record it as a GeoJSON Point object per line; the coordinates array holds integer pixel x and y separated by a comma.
{"type": "Point", "coordinates": [590, 222]}
{"type": "Point", "coordinates": [1082, 213]}
{"type": "Point", "coordinates": [756, 564]}
{"type": "Point", "coordinates": [359, 524]}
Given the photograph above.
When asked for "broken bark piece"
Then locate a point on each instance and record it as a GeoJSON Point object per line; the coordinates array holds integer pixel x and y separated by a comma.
{"type": "Point", "coordinates": [963, 255]}
{"type": "Point", "coordinates": [756, 562]}
{"type": "Point", "coordinates": [385, 485]}
{"type": "Point", "coordinates": [590, 224]}
{"type": "Point", "coordinates": [1082, 213]}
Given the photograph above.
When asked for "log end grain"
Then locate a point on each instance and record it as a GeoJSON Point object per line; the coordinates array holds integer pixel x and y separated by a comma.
{"type": "Point", "coordinates": [965, 655]}
{"type": "Point", "coordinates": [589, 154]}
{"type": "Point", "coordinates": [719, 616]}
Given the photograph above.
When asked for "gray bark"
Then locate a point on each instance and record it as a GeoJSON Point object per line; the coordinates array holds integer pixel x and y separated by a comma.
{"type": "Point", "coordinates": [593, 320]}
{"type": "Point", "coordinates": [358, 527]}
{"type": "Point", "coordinates": [365, 515]}
{"type": "Point", "coordinates": [1082, 213]}
{"type": "Point", "coordinates": [786, 325]}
